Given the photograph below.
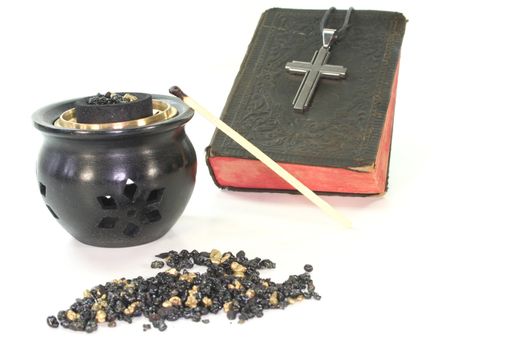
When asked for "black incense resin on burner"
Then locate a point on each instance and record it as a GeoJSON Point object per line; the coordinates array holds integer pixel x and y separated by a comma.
{"type": "Point", "coordinates": [113, 108]}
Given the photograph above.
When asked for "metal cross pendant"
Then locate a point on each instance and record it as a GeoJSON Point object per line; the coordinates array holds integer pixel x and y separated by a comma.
{"type": "Point", "coordinates": [313, 71]}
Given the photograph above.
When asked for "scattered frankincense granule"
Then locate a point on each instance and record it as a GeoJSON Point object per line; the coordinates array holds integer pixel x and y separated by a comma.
{"type": "Point", "coordinates": [231, 283]}
{"type": "Point", "coordinates": [157, 264]}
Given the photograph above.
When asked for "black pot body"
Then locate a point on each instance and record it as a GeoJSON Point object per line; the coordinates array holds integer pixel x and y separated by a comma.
{"type": "Point", "coordinates": [116, 188]}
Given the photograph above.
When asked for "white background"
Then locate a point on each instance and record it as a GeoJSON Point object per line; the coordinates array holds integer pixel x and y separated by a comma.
{"type": "Point", "coordinates": [436, 263]}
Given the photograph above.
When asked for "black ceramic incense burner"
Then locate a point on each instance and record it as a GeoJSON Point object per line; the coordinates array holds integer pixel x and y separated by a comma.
{"type": "Point", "coordinates": [116, 170]}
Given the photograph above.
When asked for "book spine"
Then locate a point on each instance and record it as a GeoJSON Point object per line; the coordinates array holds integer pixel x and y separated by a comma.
{"type": "Point", "coordinates": [249, 52]}
{"type": "Point", "coordinates": [247, 56]}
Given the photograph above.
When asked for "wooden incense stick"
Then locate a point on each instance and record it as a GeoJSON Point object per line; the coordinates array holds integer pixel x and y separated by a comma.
{"type": "Point", "coordinates": [257, 153]}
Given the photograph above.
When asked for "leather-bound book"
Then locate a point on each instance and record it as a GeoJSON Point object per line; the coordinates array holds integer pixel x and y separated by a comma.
{"type": "Point", "coordinates": [340, 142]}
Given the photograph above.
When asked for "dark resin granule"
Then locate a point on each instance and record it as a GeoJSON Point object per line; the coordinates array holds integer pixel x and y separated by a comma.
{"type": "Point", "coordinates": [157, 264]}
{"type": "Point", "coordinates": [52, 322]}
{"type": "Point", "coordinates": [231, 283]}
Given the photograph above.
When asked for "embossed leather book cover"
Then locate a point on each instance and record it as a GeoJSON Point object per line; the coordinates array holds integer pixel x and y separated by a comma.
{"type": "Point", "coordinates": [341, 143]}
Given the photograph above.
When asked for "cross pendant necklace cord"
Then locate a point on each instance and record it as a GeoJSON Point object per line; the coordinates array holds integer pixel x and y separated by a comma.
{"type": "Point", "coordinates": [317, 67]}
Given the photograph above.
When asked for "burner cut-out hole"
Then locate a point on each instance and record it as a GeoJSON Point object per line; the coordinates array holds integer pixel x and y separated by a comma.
{"type": "Point", "coordinates": [107, 202]}
{"type": "Point", "coordinates": [153, 216]}
{"type": "Point", "coordinates": [107, 222]}
{"type": "Point", "coordinates": [155, 195]}
{"type": "Point", "coordinates": [52, 212]}
{"type": "Point", "coordinates": [130, 189]}
{"type": "Point", "coordinates": [42, 189]}
{"type": "Point", "coordinates": [131, 230]}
